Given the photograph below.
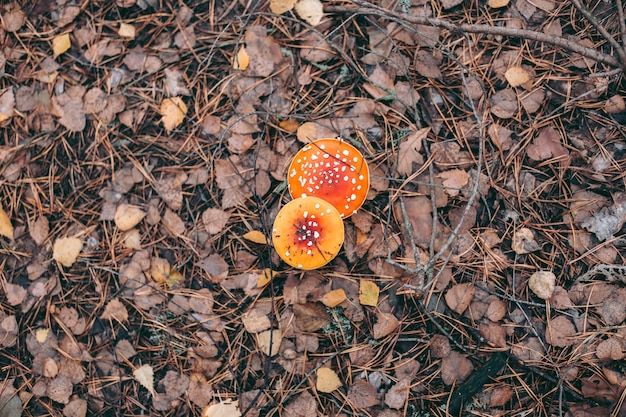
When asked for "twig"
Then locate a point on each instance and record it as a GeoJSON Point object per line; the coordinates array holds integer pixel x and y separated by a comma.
{"type": "Point", "coordinates": [371, 9]}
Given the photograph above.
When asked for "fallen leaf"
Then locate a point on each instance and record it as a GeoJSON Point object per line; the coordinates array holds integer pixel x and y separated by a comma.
{"type": "Point", "coordinates": [409, 151]}
{"type": "Point", "coordinates": [455, 368]}
{"type": "Point", "coordinates": [368, 293]}
{"type": "Point", "coordinates": [13, 18]}
{"type": "Point", "coordinates": [128, 216]}
{"type": "Point", "coordinates": [173, 112]}
{"type": "Point", "coordinates": [6, 228]}
{"type": "Point", "coordinates": [241, 60]}
{"type": "Point", "coordinates": [362, 394]}
{"type": "Point", "coordinates": [542, 283]}
{"type": "Point", "coordinates": [327, 380]}
{"type": "Point", "coordinates": [66, 250]}
{"type": "Point", "coordinates": [504, 103]}
{"type": "Point", "coordinates": [256, 237]}
{"type": "Point", "coordinates": [145, 376]}
{"type": "Point", "coordinates": [310, 131]}
{"type": "Point", "coordinates": [610, 349]}
{"type": "Point", "coordinates": [15, 294]}
{"type": "Point", "coordinates": [159, 270]}
{"type": "Point", "coordinates": [215, 266]}
{"type": "Point", "coordinates": [174, 83]}
{"type": "Point", "coordinates": [311, 11]}
{"type": "Point", "coordinates": [269, 341]}
{"type": "Point", "coordinates": [265, 277]}
{"type": "Point", "coordinates": [310, 317]}
{"type": "Point", "coordinates": [454, 180]}
{"type": "Point", "coordinates": [334, 298]}
{"type": "Point", "coordinates": [560, 332]}
{"type": "Point", "coordinates": [132, 239]}
{"type": "Point", "coordinates": [115, 310]}
{"type": "Point", "coordinates": [386, 323]}
{"type": "Point", "coordinates": [7, 105]}
{"type": "Point", "coordinates": [226, 408]}
{"type": "Point", "coordinates": [396, 397]}
{"type": "Point", "coordinates": [281, 6]}
{"type": "Point", "coordinates": [517, 76]}
{"type": "Point", "coordinates": [126, 31]}
{"type": "Point", "coordinates": [496, 4]}
{"type": "Point", "coordinates": [547, 145]}
{"type": "Point", "coordinates": [615, 104]}
{"type": "Point", "coordinates": [524, 241]}
{"type": "Point", "coordinates": [459, 297]}
{"type": "Point", "coordinates": [427, 65]}
{"type": "Point", "coordinates": [60, 44]}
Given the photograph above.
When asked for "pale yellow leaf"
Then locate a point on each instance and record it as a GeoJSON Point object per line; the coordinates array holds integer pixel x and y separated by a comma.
{"type": "Point", "coordinates": [66, 250]}
{"type": "Point", "coordinates": [128, 216]}
{"type": "Point", "coordinates": [61, 43]}
{"type": "Point", "coordinates": [269, 341]}
{"type": "Point", "coordinates": [265, 277]}
{"type": "Point", "coordinates": [41, 335]}
{"type": "Point", "coordinates": [368, 293]}
{"type": "Point", "coordinates": [132, 239]}
{"type": "Point", "coordinates": [242, 59]}
{"type": "Point", "coordinates": [256, 237]}
{"type": "Point", "coordinates": [496, 4]}
{"type": "Point", "coordinates": [517, 76]}
{"type": "Point", "coordinates": [281, 6]}
{"type": "Point", "coordinates": [174, 279]}
{"type": "Point", "coordinates": [145, 376]}
{"type": "Point", "coordinates": [311, 11]}
{"type": "Point", "coordinates": [173, 112]}
{"type": "Point", "coordinates": [160, 270]}
{"type": "Point", "coordinates": [542, 283]}
{"type": "Point", "coordinates": [327, 380]}
{"type": "Point", "coordinates": [126, 31]}
{"type": "Point", "coordinates": [6, 228]}
{"type": "Point", "coordinates": [227, 408]}
{"type": "Point", "coordinates": [334, 298]}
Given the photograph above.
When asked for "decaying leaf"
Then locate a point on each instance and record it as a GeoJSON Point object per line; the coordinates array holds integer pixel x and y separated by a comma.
{"type": "Point", "coordinates": [128, 216]}
{"type": "Point", "coordinates": [241, 59]}
{"type": "Point", "coordinates": [269, 341]}
{"type": "Point", "coordinates": [458, 297]}
{"type": "Point", "coordinates": [517, 76]}
{"type": "Point", "coordinates": [409, 152]}
{"type": "Point", "coordinates": [327, 380]}
{"type": "Point", "coordinates": [145, 376]}
{"type": "Point", "coordinates": [524, 241]}
{"type": "Point", "coordinates": [560, 332]}
{"type": "Point", "coordinates": [66, 250]}
{"type": "Point", "coordinates": [115, 310]}
{"type": "Point", "coordinates": [454, 180]}
{"type": "Point", "coordinates": [226, 408]}
{"type": "Point", "coordinates": [334, 298]}
{"type": "Point", "coordinates": [547, 145]}
{"type": "Point", "coordinates": [310, 317]}
{"type": "Point", "coordinates": [386, 323]}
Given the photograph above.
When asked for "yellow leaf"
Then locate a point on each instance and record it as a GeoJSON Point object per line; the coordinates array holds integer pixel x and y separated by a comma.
{"type": "Point", "coordinates": [368, 293]}
{"type": "Point", "coordinates": [517, 76]}
{"type": "Point", "coordinates": [242, 59]}
{"type": "Point", "coordinates": [281, 6]}
{"type": "Point", "coordinates": [41, 335]}
{"type": "Point", "coordinates": [173, 112]}
{"type": "Point", "coordinates": [227, 408]}
{"type": "Point", "coordinates": [327, 380]}
{"type": "Point", "coordinates": [60, 44]}
{"type": "Point", "coordinates": [256, 237]}
{"type": "Point", "coordinates": [132, 239]}
{"type": "Point", "coordinates": [263, 338]}
{"type": "Point", "coordinates": [266, 276]}
{"type": "Point", "coordinates": [126, 31]}
{"type": "Point", "coordinates": [66, 250]}
{"type": "Point", "coordinates": [174, 278]}
{"type": "Point", "coordinates": [145, 376]}
{"type": "Point", "coordinates": [6, 228]}
{"type": "Point", "coordinates": [311, 11]}
{"type": "Point", "coordinates": [128, 216]}
{"type": "Point", "coordinates": [289, 124]}
{"type": "Point", "coordinates": [334, 298]}
{"type": "Point", "coordinates": [160, 270]}
{"type": "Point", "coordinates": [496, 4]}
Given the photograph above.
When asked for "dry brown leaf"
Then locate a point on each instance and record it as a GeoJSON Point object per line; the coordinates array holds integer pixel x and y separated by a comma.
{"type": "Point", "coordinates": [547, 145]}
{"type": "Point", "coordinates": [14, 293]}
{"type": "Point", "coordinates": [504, 103]}
{"type": "Point", "coordinates": [170, 190]}
{"type": "Point", "coordinates": [66, 250]}
{"type": "Point", "coordinates": [310, 317]}
{"type": "Point", "coordinates": [216, 267]}
{"type": "Point", "coordinates": [7, 105]}
{"type": "Point", "coordinates": [615, 104]}
{"type": "Point", "coordinates": [115, 310]}
{"type": "Point", "coordinates": [379, 85]}
{"type": "Point", "coordinates": [362, 394]}
{"type": "Point", "coordinates": [173, 223]}
{"type": "Point", "coordinates": [610, 349]}
{"type": "Point", "coordinates": [215, 220]}
{"type": "Point", "coordinates": [173, 112]}
{"type": "Point", "coordinates": [159, 270]}
{"type": "Point", "coordinates": [459, 297]}
{"type": "Point", "coordinates": [398, 395]}
{"type": "Point", "coordinates": [454, 180]}
{"type": "Point", "coordinates": [327, 380]}
{"type": "Point", "coordinates": [311, 11]}
{"type": "Point", "coordinates": [524, 241]}
{"type": "Point", "coordinates": [226, 408]}
{"type": "Point", "coordinates": [532, 100]}
{"type": "Point", "coordinates": [368, 293]}
{"type": "Point", "coordinates": [174, 83]}
{"type": "Point", "coordinates": [334, 298]}
{"type": "Point", "coordinates": [386, 323]}
{"type": "Point", "coordinates": [409, 151]}
{"type": "Point", "coordinates": [132, 239]}
{"type": "Point", "coordinates": [542, 283]}
{"type": "Point", "coordinates": [69, 108]}
{"type": "Point", "coordinates": [455, 368]}
{"type": "Point", "coordinates": [560, 332]}
{"type": "Point", "coordinates": [13, 18]}
{"type": "Point", "coordinates": [310, 131]}
{"type": "Point", "coordinates": [427, 65]}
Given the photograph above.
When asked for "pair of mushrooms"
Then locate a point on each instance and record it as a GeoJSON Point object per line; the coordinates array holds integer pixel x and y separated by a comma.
{"type": "Point", "coordinates": [329, 180]}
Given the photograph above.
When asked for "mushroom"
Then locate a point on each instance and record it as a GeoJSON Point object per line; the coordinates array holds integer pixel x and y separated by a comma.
{"type": "Point", "coordinates": [307, 232]}
{"type": "Point", "coordinates": [333, 170]}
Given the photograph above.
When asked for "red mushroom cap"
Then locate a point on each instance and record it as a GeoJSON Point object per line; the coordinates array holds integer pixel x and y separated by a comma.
{"type": "Point", "coordinates": [307, 233]}
{"type": "Point", "coordinates": [333, 170]}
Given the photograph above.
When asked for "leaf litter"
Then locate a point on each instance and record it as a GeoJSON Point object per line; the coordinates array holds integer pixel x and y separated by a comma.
{"type": "Point", "coordinates": [146, 161]}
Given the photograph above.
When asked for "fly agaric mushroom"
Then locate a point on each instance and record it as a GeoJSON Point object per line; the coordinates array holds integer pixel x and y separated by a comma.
{"type": "Point", "coordinates": [307, 232]}
{"type": "Point", "coordinates": [333, 170]}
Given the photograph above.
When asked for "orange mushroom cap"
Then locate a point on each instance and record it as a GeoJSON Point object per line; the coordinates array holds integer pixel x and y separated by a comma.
{"type": "Point", "coordinates": [333, 170]}
{"type": "Point", "coordinates": [307, 232]}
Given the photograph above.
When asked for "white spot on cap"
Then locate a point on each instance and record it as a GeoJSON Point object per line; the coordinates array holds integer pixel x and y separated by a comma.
{"type": "Point", "coordinates": [346, 152]}
{"type": "Point", "coordinates": [353, 197]}
{"type": "Point", "coordinates": [305, 214]}
{"type": "Point", "coordinates": [355, 159]}
{"type": "Point", "coordinates": [317, 205]}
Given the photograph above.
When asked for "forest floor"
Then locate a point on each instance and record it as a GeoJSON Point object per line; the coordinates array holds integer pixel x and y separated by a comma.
{"type": "Point", "coordinates": [143, 155]}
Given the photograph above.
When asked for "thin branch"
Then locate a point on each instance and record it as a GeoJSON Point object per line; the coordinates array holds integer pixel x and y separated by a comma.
{"type": "Point", "coordinates": [371, 9]}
